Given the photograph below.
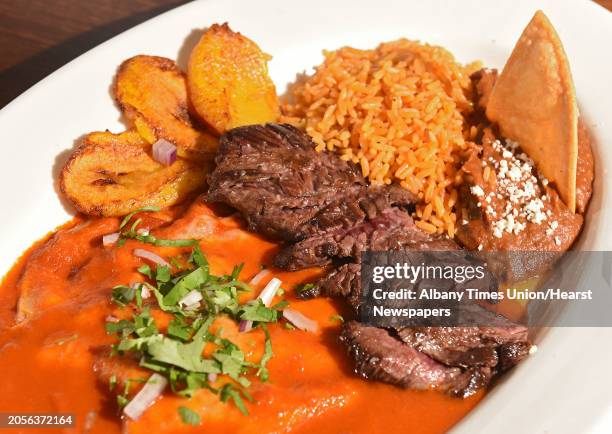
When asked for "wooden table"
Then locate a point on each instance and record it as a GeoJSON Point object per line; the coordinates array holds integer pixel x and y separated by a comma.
{"type": "Point", "coordinates": [39, 36]}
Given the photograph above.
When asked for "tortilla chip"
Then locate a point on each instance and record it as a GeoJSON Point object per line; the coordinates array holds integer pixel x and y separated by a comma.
{"type": "Point", "coordinates": [534, 104]}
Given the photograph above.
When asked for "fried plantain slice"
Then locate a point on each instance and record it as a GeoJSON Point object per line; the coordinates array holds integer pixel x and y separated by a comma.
{"type": "Point", "coordinates": [152, 93]}
{"type": "Point", "coordinates": [108, 176]}
{"type": "Point", "coordinates": [228, 81]}
{"type": "Point", "coordinates": [130, 137]}
{"type": "Point", "coordinates": [534, 103]}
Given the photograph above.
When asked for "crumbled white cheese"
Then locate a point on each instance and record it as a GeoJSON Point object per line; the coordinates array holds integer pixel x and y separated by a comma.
{"type": "Point", "coordinates": [534, 211]}
{"type": "Point", "coordinates": [516, 184]}
{"type": "Point", "coordinates": [477, 190]}
{"type": "Point", "coordinates": [515, 173]}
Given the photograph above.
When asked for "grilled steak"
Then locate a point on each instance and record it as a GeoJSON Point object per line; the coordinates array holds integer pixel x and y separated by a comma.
{"type": "Point", "coordinates": [354, 207]}
{"type": "Point", "coordinates": [390, 229]}
{"type": "Point", "coordinates": [323, 209]}
{"type": "Point", "coordinates": [380, 356]}
{"type": "Point", "coordinates": [287, 190]}
{"type": "Point", "coordinates": [470, 346]}
{"type": "Point", "coordinates": [343, 282]}
{"type": "Point", "coordinates": [276, 179]}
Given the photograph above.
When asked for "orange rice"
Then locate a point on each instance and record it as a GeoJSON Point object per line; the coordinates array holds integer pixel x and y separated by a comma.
{"type": "Point", "coordinates": [398, 112]}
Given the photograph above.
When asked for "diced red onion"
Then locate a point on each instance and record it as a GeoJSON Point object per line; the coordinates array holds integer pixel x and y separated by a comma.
{"type": "Point", "coordinates": [266, 296]}
{"type": "Point", "coordinates": [164, 152]}
{"type": "Point", "coordinates": [191, 299]}
{"type": "Point", "coordinates": [300, 320]}
{"type": "Point", "coordinates": [152, 390]}
{"type": "Point", "coordinates": [112, 318]}
{"type": "Point", "coordinates": [268, 293]}
{"type": "Point", "coordinates": [245, 326]}
{"type": "Point", "coordinates": [145, 292]}
{"type": "Point", "coordinates": [259, 276]}
{"type": "Point", "coordinates": [212, 377]}
{"type": "Point", "coordinates": [110, 239]}
{"type": "Point", "coordinates": [153, 257]}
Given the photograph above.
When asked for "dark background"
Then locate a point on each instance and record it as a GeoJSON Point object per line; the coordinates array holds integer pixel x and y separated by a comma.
{"type": "Point", "coordinates": [39, 36]}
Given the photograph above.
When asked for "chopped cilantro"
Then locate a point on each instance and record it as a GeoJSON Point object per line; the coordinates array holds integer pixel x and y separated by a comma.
{"type": "Point", "coordinates": [153, 240]}
{"type": "Point", "coordinates": [162, 274]}
{"type": "Point", "coordinates": [305, 287]}
{"type": "Point", "coordinates": [193, 381]}
{"type": "Point", "coordinates": [177, 352]}
{"type": "Point", "coordinates": [122, 400]}
{"type": "Point", "coordinates": [135, 225]}
{"type": "Point", "coordinates": [144, 236]}
{"type": "Point", "coordinates": [191, 281]}
{"type": "Point", "coordinates": [280, 305]}
{"type": "Point", "coordinates": [138, 294]}
{"type": "Point", "coordinates": [144, 324]}
{"type": "Point", "coordinates": [123, 295]}
{"type": "Point", "coordinates": [229, 391]}
{"type": "Point", "coordinates": [175, 263]}
{"type": "Point", "coordinates": [262, 372]}
{"type": "Point", "coordinates": [255, 310]}
{"type": "Point", "coordinates": [128, 217]}
{"type": "Point", "coordinates": [197, 258]}
{"type": "Point", "coordinates": [189, 416]}
{"type": "Point", "coordinates": [337, 317]}
{"type": "Point", "coordinates": [186, 356]}
{"type": "Point", "coordinates": [179, 328]}
{"type": "Point", "coordinates": [173, 243]}
{"type": "Point", "coordinates": [145, 269]}
{"type": "Point", "coordinates": [112, 382]}
{"type": "Point", "coordinates": [236, 271]}
{"type": "Point", "coordinates": [123, 327]}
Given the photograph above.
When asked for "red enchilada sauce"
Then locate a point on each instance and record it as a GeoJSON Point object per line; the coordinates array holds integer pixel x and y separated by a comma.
{"type": "Point", "coordinates": [60, 294]}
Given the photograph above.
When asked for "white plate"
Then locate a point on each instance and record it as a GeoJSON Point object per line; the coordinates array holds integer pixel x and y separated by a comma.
{"type": "Point", "coordinates": [565, 387]}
